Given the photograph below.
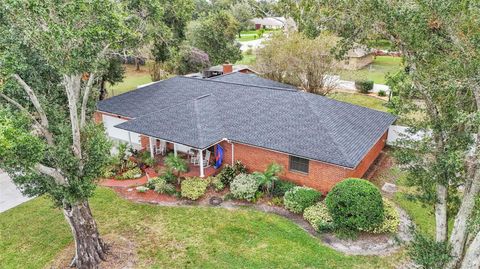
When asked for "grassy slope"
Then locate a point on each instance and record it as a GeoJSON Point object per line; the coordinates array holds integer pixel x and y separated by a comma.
{"type": "Point", "coordinates": [132, 80]}
{"type": "Point", "coordinates": [31, 235]}
{"type": "Point", "coordinates": [377, 71]}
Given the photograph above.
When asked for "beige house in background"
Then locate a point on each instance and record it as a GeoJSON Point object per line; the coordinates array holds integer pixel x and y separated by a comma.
{"type": "Point", "coordinates": [357, 58]}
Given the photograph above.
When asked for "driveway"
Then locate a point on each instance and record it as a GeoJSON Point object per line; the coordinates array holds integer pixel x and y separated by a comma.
{"type": "Point", "coordinates": [10, 196]}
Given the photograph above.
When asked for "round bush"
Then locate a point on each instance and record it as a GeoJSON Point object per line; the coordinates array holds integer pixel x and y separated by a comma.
{"type": "Point", "coordinates": [391, 220]}
{"type": "Point", "coordinates": [299, 198]}
{"type": "Point", "coordinates": [319, 217]}
{"type": "Point", "coordinates": [244, 186]}
{"type": "Point", "coordinates": [194, 188]}
{"type": "Point", "coordinates": [355, 204]}
{"type": "Point", "coordinates": [364, 86]}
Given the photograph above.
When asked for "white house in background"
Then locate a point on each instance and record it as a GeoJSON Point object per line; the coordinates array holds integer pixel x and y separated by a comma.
{"type": "Point", "coordinates": [273, 23]}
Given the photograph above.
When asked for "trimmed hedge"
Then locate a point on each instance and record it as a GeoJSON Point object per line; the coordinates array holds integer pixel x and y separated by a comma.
{"type": "Point", "coordinates": [355, 204]}
{"type": "Point", "coordinates": [390, 222]}
{"type": "Point", "coordinates": [244, 186]}
{"type": "Point", "coordinates": [364, 86]}
{"type": "Point", "coordinates": [319, 217]}
{"type": "Point", "coordinates": [299, 198]}
{"type": "Point", "coordinates": [194, 188]}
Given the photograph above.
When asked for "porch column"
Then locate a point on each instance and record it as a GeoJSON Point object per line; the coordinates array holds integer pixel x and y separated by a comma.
{"type": "Point", "coordinates": [175, 149]}
{"type": "Point", "coordinates": [150, 141]}
{"type": "Point", "coordinates": [200, 157]}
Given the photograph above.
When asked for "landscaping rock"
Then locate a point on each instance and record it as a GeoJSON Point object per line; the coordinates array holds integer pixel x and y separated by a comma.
{"type": "Point", "coordinates": [389, 188]}
{"type": "Point", "coordinates": [214, 200]}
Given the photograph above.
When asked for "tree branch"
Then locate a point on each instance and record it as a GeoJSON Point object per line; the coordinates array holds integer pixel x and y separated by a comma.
{"type": "Point", "coordinates": [86, 95]}
{"type": "Point", "coordinates": [45, 133]}
{"type": "Point", "coordinates": [52, 172]}
{"type": "Point", "coordinates": [34, 100]}
{"type": "Point", "coordinates": [71, 82]}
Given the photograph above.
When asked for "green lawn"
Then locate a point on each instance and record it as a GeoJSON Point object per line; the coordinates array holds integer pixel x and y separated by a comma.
{"type": "Point", "coordinates": [360, 100]}
{"type": "Point", "coordinates": [250, 35]}
{"type": "Point", "coordinates": [377, 71]}
{"type": "Point", "coordinates": [167, 237]}
{"type": "Point", "coordinates": [132, 80]}
{"type": "Point", "coordinates": [248, 59]}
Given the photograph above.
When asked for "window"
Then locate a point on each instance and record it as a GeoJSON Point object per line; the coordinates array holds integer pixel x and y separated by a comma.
{"type": "Point", "coordinates": [298, 164]}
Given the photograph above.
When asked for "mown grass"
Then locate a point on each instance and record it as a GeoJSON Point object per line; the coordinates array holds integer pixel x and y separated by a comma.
{"type": "Point", "coordinates": [377, 71]}
{"type": "Point", "coordinates": [360, 100]}
{"type": "Point", "coordinates": [131, 80]}
{"type": "Point", "coordinates": [166, 237]}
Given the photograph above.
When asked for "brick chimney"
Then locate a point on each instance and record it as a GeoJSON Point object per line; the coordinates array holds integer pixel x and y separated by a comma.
{"type": "Point", "coordinates": [227, 68]}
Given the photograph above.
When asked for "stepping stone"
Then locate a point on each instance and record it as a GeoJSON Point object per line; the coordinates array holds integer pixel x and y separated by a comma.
{"type": "Point", "coordinates": [389, 188]}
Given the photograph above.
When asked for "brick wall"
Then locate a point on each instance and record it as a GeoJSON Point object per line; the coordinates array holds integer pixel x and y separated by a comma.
{"type": "Point", "coordinates": [321, 176]}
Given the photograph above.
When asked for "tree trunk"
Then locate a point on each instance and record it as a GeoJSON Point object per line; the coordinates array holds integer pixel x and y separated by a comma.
{"type": "Point", "coordinates": [472, 256]}
{"type": "Point", "coordinates": [441, 213]}
{"type": "Point", "coordinates": [103, 90]}
{"type": "Point", "coordinates": [89, 247]}
{"type": "Point", "coordinates": [460, 227]}
{"type": "Point", "coordinates": [137, 64]}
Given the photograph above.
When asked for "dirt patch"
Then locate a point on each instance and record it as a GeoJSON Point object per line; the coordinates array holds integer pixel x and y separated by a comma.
{"type": "Point", "coordinates": [121, 255]}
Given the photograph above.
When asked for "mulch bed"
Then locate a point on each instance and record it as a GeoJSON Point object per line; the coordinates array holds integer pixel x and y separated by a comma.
{"type": "Point", "coordinates": [121, 255]}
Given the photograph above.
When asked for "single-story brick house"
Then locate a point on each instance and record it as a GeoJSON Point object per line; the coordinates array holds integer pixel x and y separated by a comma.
{"type": "Point", "coordinates": [317, 140]}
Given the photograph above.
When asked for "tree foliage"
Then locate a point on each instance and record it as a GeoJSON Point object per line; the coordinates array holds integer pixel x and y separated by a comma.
{"type": "Point", "coordinates": [300, 61]}
{"type": "Point", "coordinates": [440, 44]}
{"type": "Point", "coordinates": [215, 35]}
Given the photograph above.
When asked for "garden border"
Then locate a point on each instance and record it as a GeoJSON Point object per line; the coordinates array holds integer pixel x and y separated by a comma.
{"type": "Point", "coordinates": [364, 245]}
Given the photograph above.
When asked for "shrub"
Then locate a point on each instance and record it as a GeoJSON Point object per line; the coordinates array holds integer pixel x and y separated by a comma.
{"type": "Point", "coordinates": [244, 186]}
{"type": "Point", "coordinates": [390, 222]}
{"type": "Point", "coordinates": [355, 204]}
{"type": "Point", "coordinates": [364, 86]}
{"type": "Point", "coordinates": [217, 184]}
{"type": "Point", "coordinates": [194, 188]}
{"type": "Point", "coordinates": [299, 198]}
{"type": "Point", "coordinates": [229, 172]}
{"type": "Point", "coordinates": [382, 93]}
{"type": "Point", "coordinates": [133, 173]}
{"type": "Point", "coordinates": [142, 189]}
{"type": "Point", "coordinates": [276, 201]}
{"type": "Point", "coordinates": [281, 187]}
{"type": "Point", "coordinates": [319, 217]}
{"type": "Point", "coordinates": [159, 185]}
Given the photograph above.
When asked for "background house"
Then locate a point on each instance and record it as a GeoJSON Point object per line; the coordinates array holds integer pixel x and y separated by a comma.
{"type": "Point", "coordinates": [357, 58]}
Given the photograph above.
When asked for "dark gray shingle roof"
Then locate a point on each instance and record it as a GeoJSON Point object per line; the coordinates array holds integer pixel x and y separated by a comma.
{"type": "Point", "coordinates": [251, 79]}
{"type": "Point", "coordinates": [200, 112]}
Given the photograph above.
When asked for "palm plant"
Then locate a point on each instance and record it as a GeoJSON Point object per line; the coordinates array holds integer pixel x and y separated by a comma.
{"type": "Point", "coordinates": [176, 165]}
{"type": "Point", "coordinates": [267, 179]}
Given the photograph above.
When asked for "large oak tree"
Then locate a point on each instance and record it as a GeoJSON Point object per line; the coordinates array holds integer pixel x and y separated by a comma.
{"type": "Point", "coordinates": [52, 53]}
{"type": "Point", "coordinates": [439, 41]}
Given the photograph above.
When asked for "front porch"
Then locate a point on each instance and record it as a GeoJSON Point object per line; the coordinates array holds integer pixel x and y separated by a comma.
{"type": "Point", "coordinates": [200, 162]}
{"type": "Point", "coordinates": [193, 169]}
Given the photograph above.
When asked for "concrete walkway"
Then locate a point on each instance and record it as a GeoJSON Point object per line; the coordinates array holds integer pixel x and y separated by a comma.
{"type": "Point", "coordinates": [10, 196]}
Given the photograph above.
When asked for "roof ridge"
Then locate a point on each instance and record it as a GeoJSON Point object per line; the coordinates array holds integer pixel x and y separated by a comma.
{"type": "Point", "coordinates": [197, 124]}
{"type": "Point", "coordinates": [240, 84]}
{"type": "Point", "coordinates": [337, 144]}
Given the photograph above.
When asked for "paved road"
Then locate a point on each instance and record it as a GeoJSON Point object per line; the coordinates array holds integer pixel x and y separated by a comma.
{"type": "Point", "coordinates": [253, 44]}
{"type": "Point", "coordinates": [10, 196]}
